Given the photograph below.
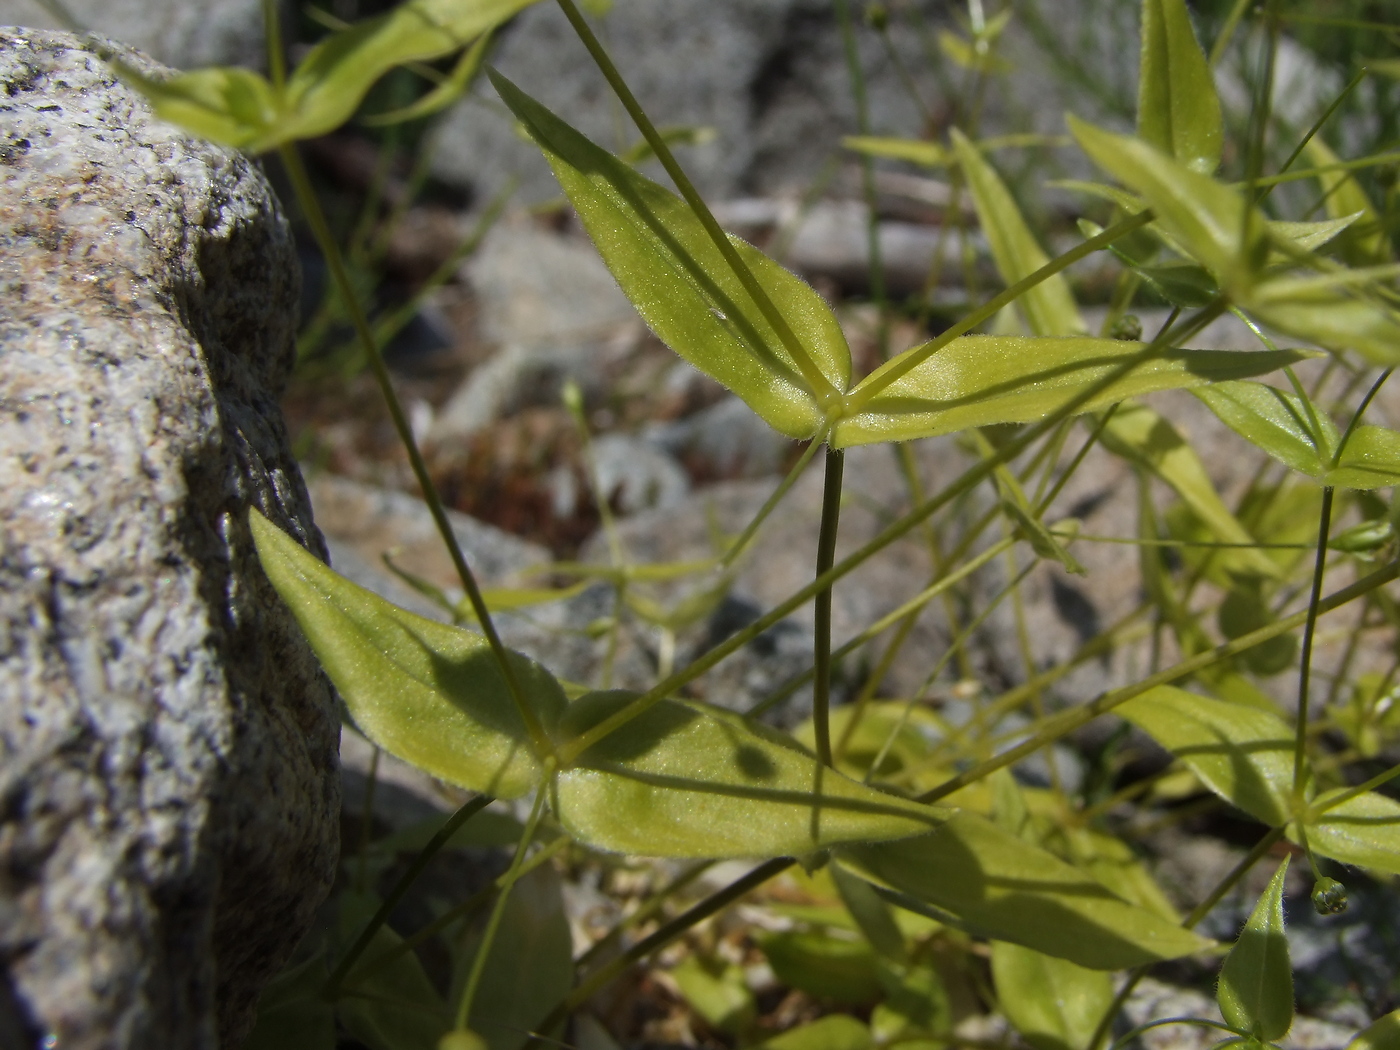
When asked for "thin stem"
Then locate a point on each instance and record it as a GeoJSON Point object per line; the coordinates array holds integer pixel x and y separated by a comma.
{"type": "Point", "coordinates": [820, 386]}
{"type": "Point", "coordinates": [391, 902]}
{"type": "Point", "coordinates": [955, 490]}
{"type": "Point", "coordinates": [1057, 726]}
{"type": "Point", "coordinates": [1300, 738]}
{"type": "Point", "coordinates": [867, 174]}
{"type": "Point", "coordinates": [1227, 32]}
{"type": "Point", "coordinates": [1312, 131]}
{"type": "Point", "coordinates": [488, 936]}
{"type": "Point", "coordinates": [466, 909]}
{"type": "Point", "coordinates": [272, 33]}
{"type": "Point", "coordinates": [913, 605]}
{"type": "Point", "coordinates": [654, 903]}
{"type": "Point", "coordinates": [311, 208]}
{"type": "Point", "coordinates": [1360, 411]}
{"type": "Point", "coordinates": [900, 366]}
{"type": "Point", "coordinates": [826, 556]}
{"type": "Point", "coordinates": [367, 821]}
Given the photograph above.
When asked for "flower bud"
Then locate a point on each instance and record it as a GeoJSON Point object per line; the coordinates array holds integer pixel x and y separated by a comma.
{"type": "Point", "coordinates": [1329, 897]}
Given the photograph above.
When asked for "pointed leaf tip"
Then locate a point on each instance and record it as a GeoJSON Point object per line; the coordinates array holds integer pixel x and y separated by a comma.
{"type": "Point", "coordinates": [1256, 982]}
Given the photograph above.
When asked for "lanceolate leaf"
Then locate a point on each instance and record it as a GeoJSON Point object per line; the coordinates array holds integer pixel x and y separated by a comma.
{"type": "Point", "coordinates": [1279, 423]}
{"type": "Point", "coordinates": [428, 693]}
{"type": "Point", "coordinates": [1364, 831]}
{"type": "Point", "coordinates": [1370, 460]}
{"type": "Point", "coordinates": [240, 108]}
{"type": "Point", "coordinates": [330, 82]}
{"type": "Point", "coordinates": [1382, 1035]}
{"type": "Point", "coordinates": [1256, 982]}
{"type": "Point", "coordinates": [1344, 197]}
{"type": "Point", "coordinates": [978, 380]}
{"type": "Point", "coordinates": [688, 780]}
{"type": "Point", "coordinates": [1204, 216]}
{"type": "Point", "coordinates": [1335, 311]}
{"type": "Point", "coordinates": [681, 283]}
{"type": "Point", "coordinates": [1243, 754]}
{"type": "Point", "coordinates": [1053, 1003]}
{"type": "Point", "coordinates": [1048, 307]}
{"type": "Point", "coordinates": [972, 874]}
{"type": "Point", "coordinates": [1137, 432]}
{"type": "Point", "coordinates": [1178, 109]}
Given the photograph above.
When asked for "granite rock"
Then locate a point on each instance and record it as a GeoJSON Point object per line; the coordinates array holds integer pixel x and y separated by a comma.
{"type": "Point", "coordinates": [168, 778]}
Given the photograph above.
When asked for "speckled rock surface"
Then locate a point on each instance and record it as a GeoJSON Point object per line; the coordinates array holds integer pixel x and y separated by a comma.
{"type": "Point", "coordinates": [168, 791]}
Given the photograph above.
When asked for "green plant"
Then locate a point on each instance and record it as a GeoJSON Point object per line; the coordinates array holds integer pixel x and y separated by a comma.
{"type": "Point", "coordinates": [917, 842]}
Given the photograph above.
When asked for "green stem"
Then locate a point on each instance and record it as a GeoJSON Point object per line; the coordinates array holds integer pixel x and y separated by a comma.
{"type": "Point", "coordinates": [272, 33]}
{"type": "Point", "coordinates": [1300, 738]}
{"type": "Point", "coordinates": [337, 977]}
{"type": "Point", "coordinates": [1227, 31]}
{"type": "Point", "coordinates": [1312, 131]}
{"type": "Point", "coordinates": [867, 174]}
{"type": "Point", "coordinates": [1057, 726]}
{"type": "Point", "coordinates": [466, 909]}
{"type": "Point", "coordinates": [826, 556]}
{"type": "Point", "coordinates": [644, 913]}
{"type": "Point", "coordinates": [488, 936]}
{"type": "Point", "coordinates": [969, 480]}
{"type": "Point", "coordinates": [898, 367]}
{"type": "Point", "coordinates": [821, 387]}
{"type": "Point", "coordinates": [909, 608]}
{"type": "Point", "coordinates": [311, 208]}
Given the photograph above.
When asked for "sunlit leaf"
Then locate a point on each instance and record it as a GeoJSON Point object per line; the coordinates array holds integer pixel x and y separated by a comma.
{"type": "Point", "coordinates": [979, 877]}
{"type": "Point", "coordinates": [227, 105]}
{"type": "Point", "coordinates": [1309, 236]}
{"type": "Point", "coordinates": [292, 1014]}
{"type": "Point", "coordinates": [1243, 754]}
{"type": "Point", "coordinates": [682, 285]}
{"type": "Point", "coordinates": [330, 82]}
{"type": "Point", "coordinates": [393, 1006]}
{"type": "Point", "coordinates": [1178, 109]}
{"type": "Point", "coordinates": [530, 968]}
{"type": "Point", "coordinates": [1048, 307]}
{"type": "Point", "coordinates": [1364, 831]}
{"type": "Point", "coordinates": [1256, 982]}
{"type": "Point", "coordinates": [1371, 459]}
{"type": "Point", "coordinates": [832, 1032]}
{"type": "Point", "coordinates": [1382, 1035]}
{"type": "Point", "coordinates": [979, 380]}
{"type": "Point", "coordinates": [1279, 422]}
{"type": "Point", "coordinates": [1331, 310]}
{"type": "Point", "coordinates": [688, 780]}
{"type": "Point", "coordinates": [1140, 434]}
{"type": "Point", "coordinates": [1343, 196]}
{"type": "Point", "coordinates": [444, 94]}
{"type": "Point", "coordinates": [828, 967]}
{"type": "Point", "coordinates": [1113, 862]}
{"type": "Point", "coordinates": [716, 990]}
{"type": "Point", "coordinates": [973, 55]}
{"type": "Point", "coordinates": [917, 151]}
{"type": "Point", "coordinates": [1053, 1003]}
{"type": "Point", "coordinates": [1204, 216]}
{"type": "Point", "coordinates": [426, 692]}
